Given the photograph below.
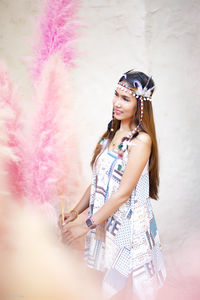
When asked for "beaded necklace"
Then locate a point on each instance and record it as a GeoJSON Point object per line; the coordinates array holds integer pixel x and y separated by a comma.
{"type": "Point", "coordinates": [122, 147]}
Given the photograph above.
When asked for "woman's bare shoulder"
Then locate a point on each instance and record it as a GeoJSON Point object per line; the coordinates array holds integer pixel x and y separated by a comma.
{"type": "Point", "coordinates": [142, 138]}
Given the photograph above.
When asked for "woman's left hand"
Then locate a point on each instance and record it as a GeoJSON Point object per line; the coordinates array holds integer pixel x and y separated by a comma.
{"type": "Point", "coordinates": [71, 233]}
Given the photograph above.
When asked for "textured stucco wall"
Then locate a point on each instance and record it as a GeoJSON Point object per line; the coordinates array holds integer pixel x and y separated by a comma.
{"type": "Point", "coordinates": [172, 44]}
{"type": "Point", "coordinates": [159, 37]}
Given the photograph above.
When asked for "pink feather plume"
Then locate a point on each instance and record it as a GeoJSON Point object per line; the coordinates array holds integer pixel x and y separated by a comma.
{"type": "Point", "coordinates": [14, 142]}
{"type": "Point", "coordinates": [54, 167]}
{"type": "Point", "coordinates": [56, 33]}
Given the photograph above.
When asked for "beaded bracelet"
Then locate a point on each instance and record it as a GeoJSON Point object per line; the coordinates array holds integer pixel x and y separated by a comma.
{"type": "Point", "coordinates": [76, 211]}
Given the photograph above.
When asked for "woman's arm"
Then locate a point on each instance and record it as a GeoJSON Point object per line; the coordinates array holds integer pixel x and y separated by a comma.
{"type": "Point", "coordinates": [138, 157]}
{"type": "Point", "coordinates": [83, 204]}
{"type": "Point", "coordinates": [80, 207]}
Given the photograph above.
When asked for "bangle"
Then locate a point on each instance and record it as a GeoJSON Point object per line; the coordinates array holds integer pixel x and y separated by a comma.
{"type": "Point", "coordinates": [76, 211]}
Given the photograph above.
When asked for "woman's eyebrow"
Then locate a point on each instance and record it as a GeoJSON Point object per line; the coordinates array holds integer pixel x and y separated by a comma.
{"type": "Point", "coordinates": [123, 96]}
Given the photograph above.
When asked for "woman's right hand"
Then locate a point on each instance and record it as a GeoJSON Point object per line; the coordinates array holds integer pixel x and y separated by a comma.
{"type": "Point", "coordinates": [68, 217]}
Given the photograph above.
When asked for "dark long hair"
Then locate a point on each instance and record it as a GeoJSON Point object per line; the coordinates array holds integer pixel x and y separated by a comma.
{"type": "Point", "coordinates": [147, 126]}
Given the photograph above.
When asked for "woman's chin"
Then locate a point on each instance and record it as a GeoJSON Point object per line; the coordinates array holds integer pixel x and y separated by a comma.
{"type": "Point", "coordinates": [118, 116]}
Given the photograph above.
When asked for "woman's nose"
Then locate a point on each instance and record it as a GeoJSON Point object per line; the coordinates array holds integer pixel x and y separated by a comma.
{"type": "Point", "coordinates": [117, 103]}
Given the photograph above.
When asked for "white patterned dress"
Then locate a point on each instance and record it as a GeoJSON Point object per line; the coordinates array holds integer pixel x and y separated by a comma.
{"type": "Point", "coordinates": [127, 243]}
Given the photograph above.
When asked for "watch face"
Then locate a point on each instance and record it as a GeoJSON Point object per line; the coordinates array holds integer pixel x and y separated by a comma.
{"type": "Point", "coordinates": [89, 222]}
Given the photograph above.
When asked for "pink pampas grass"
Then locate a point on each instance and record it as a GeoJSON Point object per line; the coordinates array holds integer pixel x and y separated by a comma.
{"type": "Point", "coordinates": [47, 166]}
{"type": "Point", "coordinates": [54, 167]}
{"type": "Point", "coordinates": [11, 138]}
{"type": "Point", "coordinates": [57, 31]}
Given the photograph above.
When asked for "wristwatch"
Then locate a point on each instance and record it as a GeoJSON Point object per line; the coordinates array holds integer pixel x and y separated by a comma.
{"type": "Point", "coordinates": [90, 223]}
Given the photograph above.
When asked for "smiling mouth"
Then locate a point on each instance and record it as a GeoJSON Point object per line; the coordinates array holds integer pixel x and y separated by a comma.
{"type": "Point", "coordinates": [117, 111]}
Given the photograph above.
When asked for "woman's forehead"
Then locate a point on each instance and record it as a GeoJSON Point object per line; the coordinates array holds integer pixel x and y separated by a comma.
{"type": "Point", "coordinates": [123, 93]}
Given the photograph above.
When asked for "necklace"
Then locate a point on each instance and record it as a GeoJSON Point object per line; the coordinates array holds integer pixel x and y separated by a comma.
{"type": "Point", "coordinates": [119, 140]}
{"type": "Point", "coordinates": [121, 147]}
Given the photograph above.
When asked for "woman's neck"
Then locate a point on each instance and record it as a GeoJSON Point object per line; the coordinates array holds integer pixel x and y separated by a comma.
{"type": "Point", "coordinates": [125, 126]}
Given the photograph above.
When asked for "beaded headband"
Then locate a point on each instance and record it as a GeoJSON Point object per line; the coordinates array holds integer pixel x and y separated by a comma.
{"type": "Point", "coordinates": [138, 91]}
{"type": "Point", "coordinates": [124, 87]}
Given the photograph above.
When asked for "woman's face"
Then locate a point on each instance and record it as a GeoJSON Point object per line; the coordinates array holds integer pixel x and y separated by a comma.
{"type": "Point", "coordinates": [124, 105]}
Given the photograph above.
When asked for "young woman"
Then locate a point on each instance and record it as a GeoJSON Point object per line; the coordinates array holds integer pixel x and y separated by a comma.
{"type": "Point", "coordinates": [121, 239]}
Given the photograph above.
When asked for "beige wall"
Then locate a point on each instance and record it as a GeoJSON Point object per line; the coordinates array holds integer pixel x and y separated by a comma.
{"type": "Point", "coordinates": [158, 37]}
